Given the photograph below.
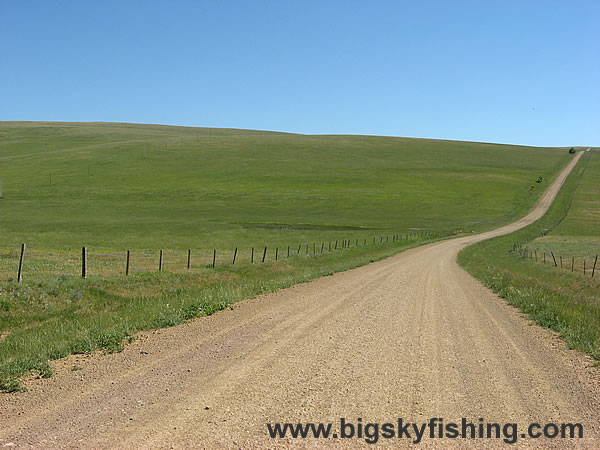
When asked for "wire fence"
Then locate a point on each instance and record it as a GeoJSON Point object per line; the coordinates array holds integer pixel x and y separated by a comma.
{"type": "Point", "coordinates": [16, 263]}
{"type": "Point", "coordinates": [586, 266]}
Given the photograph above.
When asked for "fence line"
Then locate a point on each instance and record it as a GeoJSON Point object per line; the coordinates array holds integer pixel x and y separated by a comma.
{"type": "Point", "coordinates": [525, 252]}
{"type": "Point", "coordinates": [345, 244]}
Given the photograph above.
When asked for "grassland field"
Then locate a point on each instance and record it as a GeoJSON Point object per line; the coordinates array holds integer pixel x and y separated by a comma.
{"type": "Point", "coordinates": [113, 187]}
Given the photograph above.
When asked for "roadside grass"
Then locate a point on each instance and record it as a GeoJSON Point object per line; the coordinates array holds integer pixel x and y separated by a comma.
{"type": "Point", "coordinates": [572, 253]}
{"type": "Point", "coordinates": [113, 187]}
{"type": "Point", "coordinates": [579, 246]}
{"type": "Point", "coordinates": [48, 317]}
{"type": "Point", "coordinates": [555, 298]}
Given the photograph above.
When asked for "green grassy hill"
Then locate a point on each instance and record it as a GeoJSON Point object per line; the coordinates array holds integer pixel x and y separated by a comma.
{"type": "Point", "coordinates": [113, 187]}
{"type": "Point", "coordinates": [578, 234]}
{"type": "Point", "coordinates": [144, 186]}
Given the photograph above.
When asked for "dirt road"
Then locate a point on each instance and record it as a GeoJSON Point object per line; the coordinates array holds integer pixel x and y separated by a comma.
{"type": "Point", "coordinates": [411, 337]}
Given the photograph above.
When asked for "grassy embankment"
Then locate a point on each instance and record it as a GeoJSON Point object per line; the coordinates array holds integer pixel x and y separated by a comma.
{"type": "Point", "coordinates": [554, 297]}
{"type": "Point", "coordinates": [113, 187]}
{"type": "Point", "coordinates": [578, 235]}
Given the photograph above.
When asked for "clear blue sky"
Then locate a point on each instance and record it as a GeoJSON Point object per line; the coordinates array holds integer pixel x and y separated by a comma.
{"type": "Point", "coordinates": [525, 72]}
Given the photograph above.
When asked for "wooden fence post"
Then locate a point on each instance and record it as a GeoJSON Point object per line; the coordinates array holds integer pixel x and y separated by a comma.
{"type": "Point", "coordinates": [335, 245]}
{"type": "Point", "coordinates": [561, 266]}
{"type": "Point", "coordinates": [20, 275]}
{"type": "Point", "coordinates": [83, 262]}
{"type": "Point", "coordinates": [307, 249]}
{"type": "Point", "coordinates": [552, 253]}
{"type": "Point", "coordinates": [214, 258]}
{"type": "Point", "coordinates": [288, 251]}
{"type": "Point", "coordinates": [127, 263]}
{"type": "Point", "coordinates": [572, 263]}
{"type": "Point", "coordinates": [234, 255]}
{"type": "Point", "coordinates": [322, 247]}
{"type": "Point", "coordinates": [189, 262]}
{"type": "Point", "coordinates": [252, 256]}
{"type": "Point", "coordinates": [276, 253]}
{"type": "Point", "coordinates": [594, 269]}
{"type": "Point", "coordinates": [264, 254]}
{"type": "Point", "coordinates": [299, 247]}
{"type": "Point", "coordinates": [160, 261]}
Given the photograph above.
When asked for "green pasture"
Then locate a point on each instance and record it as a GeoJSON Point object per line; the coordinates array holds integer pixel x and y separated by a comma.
{"type": "Point", "coordinates": [122, 186]}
